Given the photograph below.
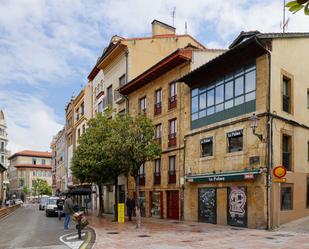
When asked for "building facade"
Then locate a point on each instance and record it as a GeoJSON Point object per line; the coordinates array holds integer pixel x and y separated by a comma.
{"type": "Point", "coordinates": [4, 154]}
{"type": "Point", "coordinates": [25, 167]}
{"type": "Point", "coordinates": [246, 117]}
{"type": "Point", "coordinates": [156, 94]}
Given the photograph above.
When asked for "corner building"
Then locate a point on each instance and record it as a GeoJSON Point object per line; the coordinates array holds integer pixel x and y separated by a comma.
{"type": "Point", "coordinates": [228, 164]}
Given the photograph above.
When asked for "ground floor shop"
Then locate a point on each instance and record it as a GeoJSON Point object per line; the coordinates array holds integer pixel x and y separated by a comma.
{"type": "Point", "coordinates": [235, 200]}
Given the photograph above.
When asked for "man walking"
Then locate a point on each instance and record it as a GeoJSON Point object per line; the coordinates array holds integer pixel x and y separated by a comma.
{"type": "Point", "coordinates": [68, 211]}
{"type": "Point", "coordinates": [130, 203]}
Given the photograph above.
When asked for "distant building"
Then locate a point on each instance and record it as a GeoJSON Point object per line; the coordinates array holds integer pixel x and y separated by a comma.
{"type": "Point", "coordinates": [4, 153]}
{"type": "Point", "coordinates": [25, 167]}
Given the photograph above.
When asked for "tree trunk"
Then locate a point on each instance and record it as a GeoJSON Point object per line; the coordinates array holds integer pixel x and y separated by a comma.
{"type": "Point", "coordinates": [101, 205]}
{"type": "Point", "coordinates": [137, 203]}
{"type": "Point", "coordinates": [116, 199]}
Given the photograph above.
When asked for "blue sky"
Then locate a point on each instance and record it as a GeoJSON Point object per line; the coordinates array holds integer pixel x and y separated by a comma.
{"type": "Point", "coordinates": [47, 48]}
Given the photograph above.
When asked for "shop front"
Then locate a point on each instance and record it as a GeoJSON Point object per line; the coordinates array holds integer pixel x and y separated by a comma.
{"type": "Point", "coordinates": [225, 198]}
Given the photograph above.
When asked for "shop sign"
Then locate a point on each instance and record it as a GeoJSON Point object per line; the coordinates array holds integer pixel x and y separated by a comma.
{"type": "Point", "coordinates": [216, 179]}
{"type": "Point", "coordinates": [234, 133]}
{"type": "Point", "coordinates": [249, 176]}
{"type": "Point", "coordinates": [279, 180]}
{"type": "Point", "coordinates": [279, 171]}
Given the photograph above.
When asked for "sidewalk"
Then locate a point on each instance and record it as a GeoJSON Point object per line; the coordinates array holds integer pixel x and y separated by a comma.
{"type": "Point", "coordinates": [168, 234]}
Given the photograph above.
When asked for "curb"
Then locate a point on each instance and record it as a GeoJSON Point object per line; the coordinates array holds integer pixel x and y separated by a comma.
{"type": "Point", "coordinates": [95, 239]}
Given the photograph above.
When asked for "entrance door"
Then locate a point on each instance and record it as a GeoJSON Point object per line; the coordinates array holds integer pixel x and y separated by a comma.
{"type": "Point", "coordinates": [172, 205]}
{"type": "Point", "coordinates": [156, 204]}
{"type": "Point", "coordinates": [237, 207]}
{"type": "Point", "coordinates": [207, 205]}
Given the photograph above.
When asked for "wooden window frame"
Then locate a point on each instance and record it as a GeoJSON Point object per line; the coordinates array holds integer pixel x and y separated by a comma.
{"type": "Point", "coordinates": [291, 143]}
{"type": "Point", "coordinates": [158, 105]}
{"type": "Point", "coordinates": [172, 99]}
{"type": "Point", "coordinates": [284, 75]}
{"type": "Point", "coordinates": [172, 137]}
{"type": "Point", "coordinates": [142, 111]}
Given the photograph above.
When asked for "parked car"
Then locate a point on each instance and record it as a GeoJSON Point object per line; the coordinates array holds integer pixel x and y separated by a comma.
{"type": "Point", "coordinates": [43, 202]}
{"type": "Point", "coordinates": [9, 202]}
{"type": "Point", "coordinates": [51, 206]}
{"type": "Point", "coordinates": [18, 201]}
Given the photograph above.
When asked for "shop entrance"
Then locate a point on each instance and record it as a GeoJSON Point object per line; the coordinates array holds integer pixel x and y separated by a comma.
{"type": "Point", "coordinates": [172, 205]}
{"type": "Point", "coordinates": [156, 204]}
{"type": "Point", "coordinates": [207, 202]}
{"type": "Point", "coordinates": [237, 213]}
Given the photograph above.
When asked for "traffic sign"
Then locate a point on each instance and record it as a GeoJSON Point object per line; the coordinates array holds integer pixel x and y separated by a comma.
{"type": "Point", "coordinates": [279, 171]}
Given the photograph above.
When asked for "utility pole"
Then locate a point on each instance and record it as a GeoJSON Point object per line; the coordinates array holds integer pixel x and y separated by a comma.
{"type": "Point", "coordinates": [284, 23]}
{"type": "Point", "coordinates": [186, 28]}
{"type": "Point", "coordinates": [173, 15]}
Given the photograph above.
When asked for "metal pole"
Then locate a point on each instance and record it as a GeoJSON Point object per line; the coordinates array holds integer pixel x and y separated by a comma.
{"type": "Point", "coordinates": [279, 189]}
{"type": "Point", "coordinates": [79, 228]}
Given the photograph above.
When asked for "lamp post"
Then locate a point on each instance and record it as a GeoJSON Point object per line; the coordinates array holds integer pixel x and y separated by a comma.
{"type": "Point", "coordinates": [254, 124]}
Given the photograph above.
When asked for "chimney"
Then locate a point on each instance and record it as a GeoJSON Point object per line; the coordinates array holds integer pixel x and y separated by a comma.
{"type": "Point", "coordinates": [160, 28]}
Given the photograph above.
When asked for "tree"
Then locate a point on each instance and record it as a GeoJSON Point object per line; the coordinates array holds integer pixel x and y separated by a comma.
{"type": "Point", "coordinates": [41, 187]}
{"type": "Point", "coordinates": [295, 6]}
{"type": "Point", "coordinates": [25, 191]}
{"type": "Point", "coordinates": [138, 146]}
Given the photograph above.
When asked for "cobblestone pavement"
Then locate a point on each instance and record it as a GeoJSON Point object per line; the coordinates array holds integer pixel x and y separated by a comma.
{"type": "Point", "coordinates": [297, 226]}
{"type": "Point", "coordinates": [167, 234]}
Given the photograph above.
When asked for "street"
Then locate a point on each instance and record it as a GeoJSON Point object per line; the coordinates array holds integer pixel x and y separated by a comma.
{"type": "Point", "coordinates": [28, 227]}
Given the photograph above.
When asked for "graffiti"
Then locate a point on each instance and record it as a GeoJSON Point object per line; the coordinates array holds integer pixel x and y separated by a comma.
{"type": "Point", "coordinates": [207, 205]}
{"type": "Point", "coordinates": [237, 198]}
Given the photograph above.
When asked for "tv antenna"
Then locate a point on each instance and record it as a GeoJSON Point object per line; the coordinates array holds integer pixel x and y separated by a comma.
{"type": "Point", "coordinates": [285, 22]}
{"type": "Point", "coordinates": [186, 28]}
{"type": "Point", "coordinates": [173, 15]}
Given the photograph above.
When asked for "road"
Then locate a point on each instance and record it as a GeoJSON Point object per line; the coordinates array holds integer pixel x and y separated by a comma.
{"type": "Point", "coordinates": [28, 227]}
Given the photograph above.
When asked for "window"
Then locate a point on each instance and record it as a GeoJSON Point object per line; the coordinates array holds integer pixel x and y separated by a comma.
{"type": "Point", "coordinates": [158, 102]}
{"type": "Point", "coordinates": [141, 174]}
{"type": "Point", "coordinates": [142, 105]}
{"type": "Point", "coordinates": [286, 152]}
{"type": "Point", "coordinates": [172, 169]}
{"type": "Point", "coordinates": [2, 159]}
{"type": "Point", "coordinates": [286, 197]}
{"type": "Point", "coordinates": [21, 182]}
{"type": "Point", "coordinates": [84, 128]}
{"type": "Point", "coordinates": [232, 90]}
{"type": "Point", "coordinates": [206, 147]}
{"type": "Point", "coordinates": [172, 132]}
{"type": "Point", "coordinates": [33, 160]}
{"type": "Point", "coordinates": [286, 95]}
{"type": "Point", "coordinates": [77, 114]}
{"type": "Point", "coordinates": [2, 147]}
{"type": "Point", "coordinates": [308, 98]}
{"type": "Point", "coordinates": [78, 133]}
{"type": "Point", "coordinates": [100, 106]}
{"type": "Point", "coordinates": [43, 162]}
{"type": "Point", "coordinates": [172, 95]}
{"type": "Point", "coordinates": [235, 141]}
{"type": "Point", "coordinates": [82, 109]}
{"type": "Point", "coordinates": [158, 132]}
{"type": "Point", "coordinates": [307, 191]}
{"type": "Point", "coordinates": [157, 171]}
{"type": "Point", "coordinates": [110, 95]}
{"type": "Point", "coordinates": [122, 80]}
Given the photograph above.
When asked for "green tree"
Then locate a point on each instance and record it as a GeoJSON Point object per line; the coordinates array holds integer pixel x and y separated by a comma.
{"type": "Point", "coordinates": [138, 145]}
{"type": "Point", "coordinates": [41, 187]}
{"type": "Point", "coordinates": [295, 6]}
{"type": "Point", "coordinates": [26, 192]}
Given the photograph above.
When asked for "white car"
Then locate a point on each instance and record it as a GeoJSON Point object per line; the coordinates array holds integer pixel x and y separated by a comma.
{"type": "Point", "coordinates": [18, 201]}
{"type": "Point", "coordinates": [51, 206]}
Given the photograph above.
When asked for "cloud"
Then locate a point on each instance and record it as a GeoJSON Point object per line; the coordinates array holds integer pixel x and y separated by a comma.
{"type": "Point", "coordinates": [31, 124]}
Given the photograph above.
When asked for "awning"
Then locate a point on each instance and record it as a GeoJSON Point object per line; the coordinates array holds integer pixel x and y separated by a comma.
{"type": "Point", "coordinates": [224, 176]}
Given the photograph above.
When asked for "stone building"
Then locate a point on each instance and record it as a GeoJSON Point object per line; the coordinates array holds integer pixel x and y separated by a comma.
{"type": "Point", "coordinates": [25, 167]}
{"type": "Point", "coordinates": [156, 94]}
{"type": "Point", "coordinates": [249, 112]}
{"type": "Point", "coordinates": [123, 60]}
{"type": "Point", "coordinates": [4, 154]}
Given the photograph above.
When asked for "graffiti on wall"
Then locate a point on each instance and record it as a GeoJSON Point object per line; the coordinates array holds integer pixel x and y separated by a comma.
{"type": "Point", "coordinates": [237, 206]}
{"type": "Point", "coordinates": [207, 205]}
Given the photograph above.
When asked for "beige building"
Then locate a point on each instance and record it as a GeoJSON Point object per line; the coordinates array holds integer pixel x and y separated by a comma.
{"type": "Point", "coordinates": [156, 94]}
{"type": "Point", "coordinates": [25, 167]}
{"type": "Point", "coordinates": [4, 154]}
{"type": "Point", "coordinates": [230, 153]}
{"type": "Point", "coordinates": [123, 60]}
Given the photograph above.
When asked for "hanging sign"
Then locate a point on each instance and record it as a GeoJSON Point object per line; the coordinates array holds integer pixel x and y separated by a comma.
{"type": "Point", "coordinates": [279, 171]}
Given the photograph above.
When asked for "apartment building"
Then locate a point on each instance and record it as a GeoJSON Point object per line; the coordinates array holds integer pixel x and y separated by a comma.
{"type": "Point", "coordinates": [4, 154]}
{"type": "Point", "coordinates": [123, 60]}
{"type": "Point", "coordinates": [156, 94]}
{"type": "Point", "coordinates": [248, 113]}
{"type": "Point", "coordinates": [25, 167]}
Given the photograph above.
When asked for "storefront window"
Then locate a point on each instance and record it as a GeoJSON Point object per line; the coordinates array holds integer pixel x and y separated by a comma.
{"type": "Point", "coordinates": [206, 147]}
{"type": "Point", "coordinates": [235, 141]}
{"type": "Point", "coordinates": [286, 198]}
{"type": "Point", "coordinates": [156, 204]}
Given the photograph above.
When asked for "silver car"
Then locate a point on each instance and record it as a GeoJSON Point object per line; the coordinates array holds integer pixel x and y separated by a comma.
{"type": "Point", "coordinates": [51, 206]}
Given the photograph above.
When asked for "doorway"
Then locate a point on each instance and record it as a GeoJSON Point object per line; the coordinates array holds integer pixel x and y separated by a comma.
{"type": "Point", "coordinates": [172, 205]}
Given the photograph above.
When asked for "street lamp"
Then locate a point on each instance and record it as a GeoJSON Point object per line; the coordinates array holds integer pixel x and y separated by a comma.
{"type": "Point", "coordinates": [254, 124]}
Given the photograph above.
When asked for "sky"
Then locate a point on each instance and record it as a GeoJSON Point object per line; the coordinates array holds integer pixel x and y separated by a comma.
{"type": "Point", "coordinates": [48, 48]}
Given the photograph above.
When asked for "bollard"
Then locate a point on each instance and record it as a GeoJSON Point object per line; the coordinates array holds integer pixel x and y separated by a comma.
{"type": "Point", "coordinates": [79, 228]}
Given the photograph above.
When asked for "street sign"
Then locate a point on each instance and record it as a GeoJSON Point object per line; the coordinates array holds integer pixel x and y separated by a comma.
{"type": "Point", "coordinates": [279, 180]}
{"type": "Point", "coordinates": [279, 171]}
{"type": "Point", "coordinates": [120, 212]}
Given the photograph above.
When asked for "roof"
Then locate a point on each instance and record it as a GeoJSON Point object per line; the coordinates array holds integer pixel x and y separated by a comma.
{"type": "Point", "coordinates": [171, 61]}
{"type": "Point", "coordinates": [30, 165]}
{"type": "Point", "coordinates": [32, 153]}
{"type": "Point", "coordinates": [162, 23]}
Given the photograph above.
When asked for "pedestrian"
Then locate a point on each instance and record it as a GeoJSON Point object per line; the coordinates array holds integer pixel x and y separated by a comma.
{"type": "Point", "coordinates": [68, 211]}
{"type": "Point", "coordinates": [130, 203]}
{"type": "Point", "coordinates": [60, 203]}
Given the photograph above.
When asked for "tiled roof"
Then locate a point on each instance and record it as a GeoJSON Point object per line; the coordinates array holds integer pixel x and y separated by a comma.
{"type": "Point", "coordinates": [32, 153]}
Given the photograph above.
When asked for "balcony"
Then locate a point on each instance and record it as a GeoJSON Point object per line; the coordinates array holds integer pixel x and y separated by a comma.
{"type": "Point", "coordinates": [172, 102]}
{"type": "Point", "coordinates": [157, 108]}
{"type": "Point", "coordinates": [118, 98]}
{"type": "Point", "coordinates": [171, 176]}
{"type": "Point", "coordinates": [156, 178]}
{"type": "Point", "coordinates": [172, 140]}
{"type": "Point", "coordinates": [141, 180]}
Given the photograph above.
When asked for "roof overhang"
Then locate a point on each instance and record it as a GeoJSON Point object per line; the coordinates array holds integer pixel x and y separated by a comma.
{"type": "Point", "coordinates": [170, 62]}
{"type": "Point", "coordinates": [225, 63]}
{"type": "Point", "coordinates": [224, 176]}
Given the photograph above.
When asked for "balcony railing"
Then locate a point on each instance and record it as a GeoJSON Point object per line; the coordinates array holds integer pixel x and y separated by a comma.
{"type": "Point", "coordinates": [171, 176]}
{"type": "Point", "coordinates": [286, 161]}
{"type": "Point", "coordinates": [141, 180]}
{"type": "Point", "coordinates": [157, 108]}
{"type": "Point", "coordinates": [172, 140]}
{"type": "Point", "coordinates": [156, 178]}
{"type": "Point", "coordinates": [172, 102]}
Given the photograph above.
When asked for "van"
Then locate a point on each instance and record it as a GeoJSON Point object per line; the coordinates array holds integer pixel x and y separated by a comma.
{"type": "Point", "coordinates": [43, 202]}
